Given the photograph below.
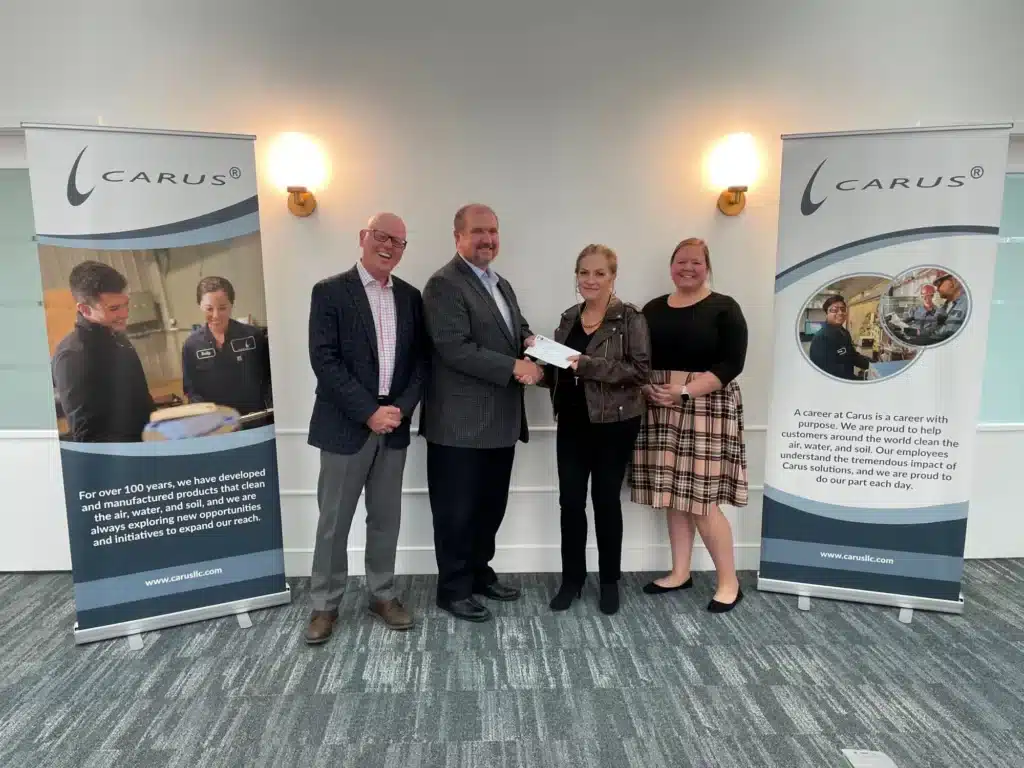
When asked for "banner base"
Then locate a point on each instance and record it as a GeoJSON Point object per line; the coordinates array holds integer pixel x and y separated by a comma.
{"type": "Point", "coordinates": [124, 629]}
{"type": "Point", "coordinates": [860, 596]}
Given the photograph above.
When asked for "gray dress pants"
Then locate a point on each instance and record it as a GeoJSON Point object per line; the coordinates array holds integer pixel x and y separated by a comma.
{"type": "Point", "coordinates": [342, 479]}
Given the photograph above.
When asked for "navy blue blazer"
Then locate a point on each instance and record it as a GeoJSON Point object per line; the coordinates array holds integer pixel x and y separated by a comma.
{"type": "Point", "coordinates": [343, 354]}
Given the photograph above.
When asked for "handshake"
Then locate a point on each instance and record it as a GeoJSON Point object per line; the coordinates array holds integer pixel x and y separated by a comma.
{"type": "Point", "coordinates": [526, 371]}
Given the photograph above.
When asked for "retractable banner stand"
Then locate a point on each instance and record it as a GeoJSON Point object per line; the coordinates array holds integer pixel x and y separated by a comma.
{"type": "Point", "coordinates": [152, 272]}
{"type": "Point", "coordinates": [886, 256]}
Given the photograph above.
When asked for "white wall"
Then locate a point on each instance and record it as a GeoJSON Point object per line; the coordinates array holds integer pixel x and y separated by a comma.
{"type": "Point", "coordinates": [578, 121]}
{"type": "Point", "coordinates": [12, 146]}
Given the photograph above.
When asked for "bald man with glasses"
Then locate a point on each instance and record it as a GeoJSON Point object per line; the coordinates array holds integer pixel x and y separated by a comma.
{"type": "Point", "coordinates": [367, 348]}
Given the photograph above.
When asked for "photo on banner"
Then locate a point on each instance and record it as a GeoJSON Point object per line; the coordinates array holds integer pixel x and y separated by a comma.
{"type": "Point", "coordinates": [925, 306]}
{"type": "Point", "coordinates": [840, 331]}
{"type": "Point", "coordinates": [886, 262]}
{"type": "Point", "coordinates": [193, 321]}
{"type": "Point", "coordinates": [152, 275]}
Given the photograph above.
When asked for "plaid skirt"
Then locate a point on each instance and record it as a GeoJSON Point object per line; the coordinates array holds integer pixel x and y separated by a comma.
{"type": "Point", "coordinates": [691, 457]}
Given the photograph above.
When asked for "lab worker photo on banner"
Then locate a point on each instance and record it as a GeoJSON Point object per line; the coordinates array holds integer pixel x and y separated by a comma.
{"type": "Point", "coordinates": [164, 344]}
{"type": "Point", "coordinates": [841, 333]}
{"type": "Point", "coordinates": [925, 306]}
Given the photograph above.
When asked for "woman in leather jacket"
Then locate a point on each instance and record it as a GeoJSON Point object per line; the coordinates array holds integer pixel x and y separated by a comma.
{"type": "Point", "coordinates": [598, 405]}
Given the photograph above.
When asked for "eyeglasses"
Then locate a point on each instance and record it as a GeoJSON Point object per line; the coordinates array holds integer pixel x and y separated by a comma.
{"type": "Point", "coordinates": [836, 311]}
{"type": "Point", "coordinates": [383, 237]}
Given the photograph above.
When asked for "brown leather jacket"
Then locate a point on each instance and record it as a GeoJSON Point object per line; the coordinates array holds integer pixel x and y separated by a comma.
{"type": "Point", "coordinates": [615, 365]}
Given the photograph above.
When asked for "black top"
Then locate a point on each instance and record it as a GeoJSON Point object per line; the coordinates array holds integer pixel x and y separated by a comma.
{"type": "Point", "coordinates": [710, 335]}
{"type": "Point", "coordinates": [832, 350]}
{"type": "Point", "coordinates": [570, 400]}
{"type": "Point", "coordinates": [236, 375]}
{"type": "Point", "coordinates": [101, 385]}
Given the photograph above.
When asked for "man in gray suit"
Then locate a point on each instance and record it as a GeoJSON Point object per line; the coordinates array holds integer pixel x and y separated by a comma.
{"type": "Point", "coordinates": [473, 411]}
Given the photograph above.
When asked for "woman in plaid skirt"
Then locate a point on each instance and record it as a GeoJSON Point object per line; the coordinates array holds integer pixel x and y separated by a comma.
{"type": "Point", "coordinates": [689, 457]}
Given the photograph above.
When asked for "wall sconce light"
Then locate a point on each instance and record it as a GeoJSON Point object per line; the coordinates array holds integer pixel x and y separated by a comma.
{"type": "Point", "coordinates": [732, 200]}
{"type": "Point", "coordinates": [733, 165]}
{"type": "Point", "coordinates": [298, 165]}
{"type": "Point", "coordinates": [301, 201]}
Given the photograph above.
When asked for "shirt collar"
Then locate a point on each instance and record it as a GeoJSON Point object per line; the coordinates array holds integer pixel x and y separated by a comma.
{"type": "Point", "coordinates": [484, 274]}
{"type": "Point", "coordinates": [89, 325]}
{"type": "Point", "coordinates": [366, 278]}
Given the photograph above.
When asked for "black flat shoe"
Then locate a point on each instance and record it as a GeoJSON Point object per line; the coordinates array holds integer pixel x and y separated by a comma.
{"type": "Point", "coordinates": [609, 601]}
{"type": "Point", "coordinates": [716, 607]}
{"type": "Point", "coordinates": [566, 594]}
{"type": "Point", "coordinates": [497, 591]}
{"type": "Point", "coordinates": [652, 588]}
{"type": "Point", "coordinates": [467, 609]}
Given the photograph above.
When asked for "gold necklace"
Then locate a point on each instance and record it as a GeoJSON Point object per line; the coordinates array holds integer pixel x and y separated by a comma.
{"type": "Point", "coordinates": [590, 326]}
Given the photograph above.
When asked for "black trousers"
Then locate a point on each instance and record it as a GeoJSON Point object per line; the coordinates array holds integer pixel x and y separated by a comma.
{"type": "Point", "coordinates": [468, 495]}
{"type": "Point", "coordinates": [600, 453]}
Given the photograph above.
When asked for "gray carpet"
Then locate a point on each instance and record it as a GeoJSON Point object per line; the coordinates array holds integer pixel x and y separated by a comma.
{"type": "Point", "coordinates": [663, 684]}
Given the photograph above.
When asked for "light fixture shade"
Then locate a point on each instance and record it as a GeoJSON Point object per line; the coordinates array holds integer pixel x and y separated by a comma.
{"type": "Point", "coordinates": [734, 162]}
{"type": "Point", "coordinates": [296, 160]}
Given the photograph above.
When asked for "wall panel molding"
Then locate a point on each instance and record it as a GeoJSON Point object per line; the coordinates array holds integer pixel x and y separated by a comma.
{"type": "Point", "coordinates": [533, 559]}
{"type": "Point", "coordinates": [35, 526]}
{"type": "Point", "coordinates": [299, 492]}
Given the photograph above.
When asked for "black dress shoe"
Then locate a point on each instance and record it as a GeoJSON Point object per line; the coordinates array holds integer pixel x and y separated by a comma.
{"type": "Point", "coordinates": [497, 591]}
{"type": "Point", "coordinates": [566, 594]}
{"type": "Point", "coordinates": [716, 607]}
{"type": "Point", "coordinates": [653, 588]}
{"type": "Point", "coordinates": [467, 608]}
{"type": "Point", "coordinates": [609, 600]}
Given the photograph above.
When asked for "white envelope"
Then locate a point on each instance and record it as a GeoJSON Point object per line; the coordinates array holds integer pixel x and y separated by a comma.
{"type": "Point", "coordinates": [550, 351]}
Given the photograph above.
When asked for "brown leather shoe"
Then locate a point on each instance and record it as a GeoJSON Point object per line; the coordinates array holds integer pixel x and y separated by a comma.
{"type": "Point", "coordinates": [321, 625]}
{"type": "Point", "coordinates": [392, 612]}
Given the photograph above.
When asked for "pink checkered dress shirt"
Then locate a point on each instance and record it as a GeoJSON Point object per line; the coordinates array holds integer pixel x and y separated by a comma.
{"type": "Point", "coordinates": [385, 322]}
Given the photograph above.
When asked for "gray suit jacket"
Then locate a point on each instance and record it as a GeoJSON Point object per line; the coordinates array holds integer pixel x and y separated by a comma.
{"type": "Point", "coordinates": [471, 399]}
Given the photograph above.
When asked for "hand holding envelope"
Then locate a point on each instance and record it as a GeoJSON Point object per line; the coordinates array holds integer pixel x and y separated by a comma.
{"type": "Point", "coordinates": [550, 351]}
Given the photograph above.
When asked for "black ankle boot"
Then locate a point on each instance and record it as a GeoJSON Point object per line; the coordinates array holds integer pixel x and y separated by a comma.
{"type": "Point", "coordinates": [566, 594]}
{"type": "Point", "coordinates": [609, 602]}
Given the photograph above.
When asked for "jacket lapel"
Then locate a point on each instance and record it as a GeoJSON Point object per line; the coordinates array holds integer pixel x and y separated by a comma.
{"type": "Point", "coordinates": [358, 295]}
{"type": "Point", "coordinates": [471, 276]}
{"type": "Point", "coordinates": [565, 325]}
{"type": "Point", "coordinates": [614, 322]}
{"type": "Point", "coordinates": [606, 331]}
{"type": "Point", "coordinates": [513, 316]}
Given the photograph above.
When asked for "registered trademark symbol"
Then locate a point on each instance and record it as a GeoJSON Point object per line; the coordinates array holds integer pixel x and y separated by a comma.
{"type": "Point", "coordinates": [977, 172]}
{"type": "Point", "coordinates": [236, 172]}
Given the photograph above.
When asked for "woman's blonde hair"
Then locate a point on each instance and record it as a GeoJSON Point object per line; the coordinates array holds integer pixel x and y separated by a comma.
{"type": "Point", "coordinates": [604, 250]}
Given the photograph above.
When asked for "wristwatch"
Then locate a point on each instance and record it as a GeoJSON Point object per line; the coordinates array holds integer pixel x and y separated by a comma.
{"type": "Point", "coordinates": [684, 395]}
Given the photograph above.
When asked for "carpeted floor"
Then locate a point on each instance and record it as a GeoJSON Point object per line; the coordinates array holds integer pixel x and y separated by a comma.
{"type": "Point", "coordinates": [663, 684]}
